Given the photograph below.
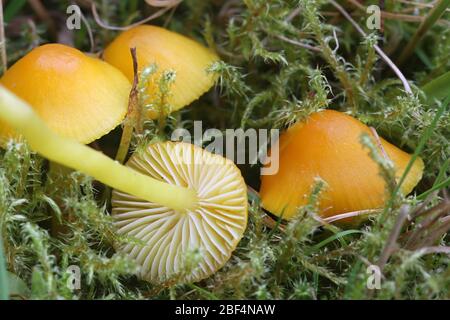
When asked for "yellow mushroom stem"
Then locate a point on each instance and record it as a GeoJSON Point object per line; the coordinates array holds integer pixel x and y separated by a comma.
{"type": "Point", "coordinates": [75, 155]}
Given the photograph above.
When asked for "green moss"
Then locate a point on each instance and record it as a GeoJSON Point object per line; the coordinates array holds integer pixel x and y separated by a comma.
{"type": "Point", "coordinates": [266, 81]}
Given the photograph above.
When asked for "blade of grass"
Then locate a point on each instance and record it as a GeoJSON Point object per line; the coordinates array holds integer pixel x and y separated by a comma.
{"type": "Point", "coordinates": [423, 140]}
{"type": "Point", "coordinates": [13, 8]}
{"type": "Point", "coordinates": [441, 185]}
{"type": "Point", "coordinates": [316, 283]}
{"type": "Point", "coordinates": [277, 225]}
{"type": "Point", "coordinates": [17, 287]}
{"type": "Point", "coordinates": [424, 58]}
{"type": "Point", "coordinates": [203, 292]}
{"type": "Point", "coordinates": [331, 239]}
{"type": "Point", "coordinates": [133, 5]}
{"type": "Point", "coordinates": [352, 280]}
{"type": "Point", "coordinates": [437, 88]}
{"type": "Point", "coordinates": [4, 282]}
{"type": "Point", "coordinates": [431, 18]}
{"type": "Point", "coordinates": [442, 173]}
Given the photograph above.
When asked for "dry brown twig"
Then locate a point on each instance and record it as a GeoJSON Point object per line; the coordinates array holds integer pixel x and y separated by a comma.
{"type": "Point", "coordinates": [133, 118]}
{"type": "Point", "coordinates": [417, 5]}
{"type": "Point", "coordinates": [89, 31]}
{"type": "Point", "coordinates": [395, 15]}
{"type": "Point", "coordinates": [434, 224]}
{"type": "Point", "coordinates": [430, 250]}
{"type": "Point", "coordinates": [392, 245]}
{"type": "Point", "coordinates": [299, 44]}
{"type": "Point", "coordinates": [352, 214]}
{"type": "Point", "coordinates": [272, 223]}
{"type": "Point", "coordinates": [163, 3]}
{"type": "Point", "coordinates": [377, 48]}
{"type": "Point", "coordinates": [165, 6]}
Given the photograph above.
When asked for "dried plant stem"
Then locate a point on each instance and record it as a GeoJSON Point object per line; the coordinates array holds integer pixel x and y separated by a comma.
{"type": "Point", "coordinates": [163, 3]}
{"type": "Point", "coordinates": [4, 57]}
{"type": "Point", "coordinates": [157, 14]}
{"type": "Point", "coordinates": [352, 214]}
{"type": "Point", "coordinates": [133, 114]}
{"type": "Point", "coordinates": [299, 44]}
{"type": "Point", "coordinates": [377, 48]}
{"type": "Point", "coordinates": [436, 187]}
{"type": "Point", "coordinates": [89, 31]}
{"type": "Point", "coordinates": [272, 223]}
{"type": "Point", "coordinates": [433, 216]}
{"type": "Point", "coordinates": [438, 249]}
{"type": "Point", "coordinates": [72, 154]}
{"type": "Point", "coordinates": [422, 208]}
{"type": "Point", "coordinates": [293, 14]}
{"type": "Point", "coordinates": [431, 18]}
{"type": "Point", "coordinates": [434, 234]}
{"type": "Point", "coordinates": [416, 5]}
{"type": "Point", "coordinates": [44, 15]}
{"type": "Point", "coordinates": [391, 244]}
{"type": "Point", "coordinates": [394, 15]}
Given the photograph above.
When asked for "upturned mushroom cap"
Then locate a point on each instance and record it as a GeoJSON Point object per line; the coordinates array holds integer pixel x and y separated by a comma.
{"type": "Point", "coordinates": [77, 96]}
{"type": "Point", "coordinates": [167, 236]}
{"type": "Point", "coordinates": [327, 145]}
{"type": "Point", "coordinates": [169, 51]}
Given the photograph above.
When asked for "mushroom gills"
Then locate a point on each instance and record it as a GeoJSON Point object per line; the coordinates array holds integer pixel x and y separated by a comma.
{"type": "Point", "coordinates": [166, 237]}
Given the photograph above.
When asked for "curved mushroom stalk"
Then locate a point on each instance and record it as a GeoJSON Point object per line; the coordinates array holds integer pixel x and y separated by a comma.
{"type": "Point", "coordinates": [173, 197]}
{"type": "Point", "coordinates": [70, 153]}
{"type": "Point", "coordinates": [167, 236]}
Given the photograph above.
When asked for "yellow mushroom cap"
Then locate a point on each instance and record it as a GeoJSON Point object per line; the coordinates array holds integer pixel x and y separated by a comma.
{"type": "Point", "coordinates": [78, 96]}
{"type": "Point", "coordinates": [327, 145]}
{"type": "Point", "coordinates": [169, 51]}
{"type": "Point", "coordinates": [165, 236]}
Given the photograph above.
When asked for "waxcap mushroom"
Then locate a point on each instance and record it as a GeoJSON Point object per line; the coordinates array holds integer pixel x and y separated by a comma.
{"type": "Point", "coordinates": [327, 145]}
{"type": "Point", "coordinates": [77, 96]}
{"type": "Point", "coordinates": [202, 197]}
{"type": "Point", "coordinates": [214, 226]}
{"type": "Point", "coordinates": [169, 51]}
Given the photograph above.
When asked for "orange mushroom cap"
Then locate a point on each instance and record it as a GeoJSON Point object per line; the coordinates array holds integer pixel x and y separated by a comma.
{"type": "Point", "coordinates": [169, 51]}
{"type": "Point", "coordinates": [78, 96]}
{"type": "Point", "coordinates": [327, 145]}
